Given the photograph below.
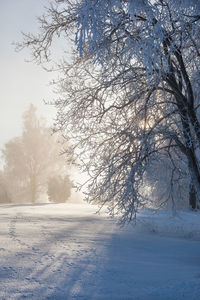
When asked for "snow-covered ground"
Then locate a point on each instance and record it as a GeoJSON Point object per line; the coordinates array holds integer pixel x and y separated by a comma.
{"type": "Point", "coordinates": [65, 251]}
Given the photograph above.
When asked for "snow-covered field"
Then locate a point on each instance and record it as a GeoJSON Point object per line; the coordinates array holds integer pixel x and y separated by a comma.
{"type": "Point", "coordinates": [65, 251]}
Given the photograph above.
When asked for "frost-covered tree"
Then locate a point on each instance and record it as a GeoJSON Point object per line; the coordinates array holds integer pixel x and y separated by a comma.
{"type": "Point", "coordinates": [59, 188]}
{"type": "Point", "coordinates": [29, 160]}
{"type": "Point", "coordinates": [167, 182]}
{"type": "Point", "coordinates": [131, 98]}
{"type": "Point", "coordinates": [4, 195]}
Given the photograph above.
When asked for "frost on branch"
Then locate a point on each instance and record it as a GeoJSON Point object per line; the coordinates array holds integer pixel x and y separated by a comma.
{"type": "Point", "coordinates": [130, 99]}
{"type": "Point", "coordinates": [161, 40]}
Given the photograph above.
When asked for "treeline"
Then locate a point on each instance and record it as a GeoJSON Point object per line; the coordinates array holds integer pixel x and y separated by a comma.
{"type": "Point", "coordinates": [33, 168]}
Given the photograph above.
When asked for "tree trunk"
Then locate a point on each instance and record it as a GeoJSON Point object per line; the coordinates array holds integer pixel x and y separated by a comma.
{"type": "Point", "coordinates": [33, 189]}
{"type": "Point", "coordinates": [192, 197]}
{"type": "Point", "coordinates": [194, 193]}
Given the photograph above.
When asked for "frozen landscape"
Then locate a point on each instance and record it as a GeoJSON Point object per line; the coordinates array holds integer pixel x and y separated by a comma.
{"type": "Point", "coordinates": [66, 251]}
{"type": "Point", "coordinates": [123, 102]}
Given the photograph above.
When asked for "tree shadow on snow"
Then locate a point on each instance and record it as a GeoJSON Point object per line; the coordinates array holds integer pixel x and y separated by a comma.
{"type": "Point", "coordinates": [85, 259]}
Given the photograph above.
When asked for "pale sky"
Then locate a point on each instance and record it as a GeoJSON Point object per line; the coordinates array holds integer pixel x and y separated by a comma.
{"type": "Point", "coordinates": [21, 83]}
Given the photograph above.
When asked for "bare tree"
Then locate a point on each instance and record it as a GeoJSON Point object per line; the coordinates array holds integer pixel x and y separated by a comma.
{"type": "Point", "coordinates": [132, 96]}
{"type": "Point", "coordinates": [31, 159]}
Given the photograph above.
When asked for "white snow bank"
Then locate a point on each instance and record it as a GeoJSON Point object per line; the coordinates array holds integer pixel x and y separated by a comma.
{"type": "Point", "coordinates": [184, 224]}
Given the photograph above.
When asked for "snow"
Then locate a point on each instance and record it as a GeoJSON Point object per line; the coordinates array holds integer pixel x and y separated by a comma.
{"type": "Point", "coordinates": [66, 251]}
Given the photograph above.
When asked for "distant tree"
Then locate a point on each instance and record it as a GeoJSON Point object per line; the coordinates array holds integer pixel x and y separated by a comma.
{"type": "Point", "coordinates": [167, 182]}
{"type": "Point", "coordinates": [59, 188]}
{"type": "Point", "coordinates": [31, 159]}
{"type": "Point", "coordinates": [4, 192]}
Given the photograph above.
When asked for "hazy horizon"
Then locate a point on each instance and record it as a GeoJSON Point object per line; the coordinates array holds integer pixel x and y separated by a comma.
{"type": "Point", "coordinates": [22, 83]}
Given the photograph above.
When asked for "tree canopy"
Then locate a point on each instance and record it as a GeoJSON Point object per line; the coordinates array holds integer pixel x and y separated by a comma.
{"type": "Point", "coordinates": [130, 98]}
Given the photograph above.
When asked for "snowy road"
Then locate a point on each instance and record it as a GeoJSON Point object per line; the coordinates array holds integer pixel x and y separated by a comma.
{"type": "Point", "coordinates": [65, 251]}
